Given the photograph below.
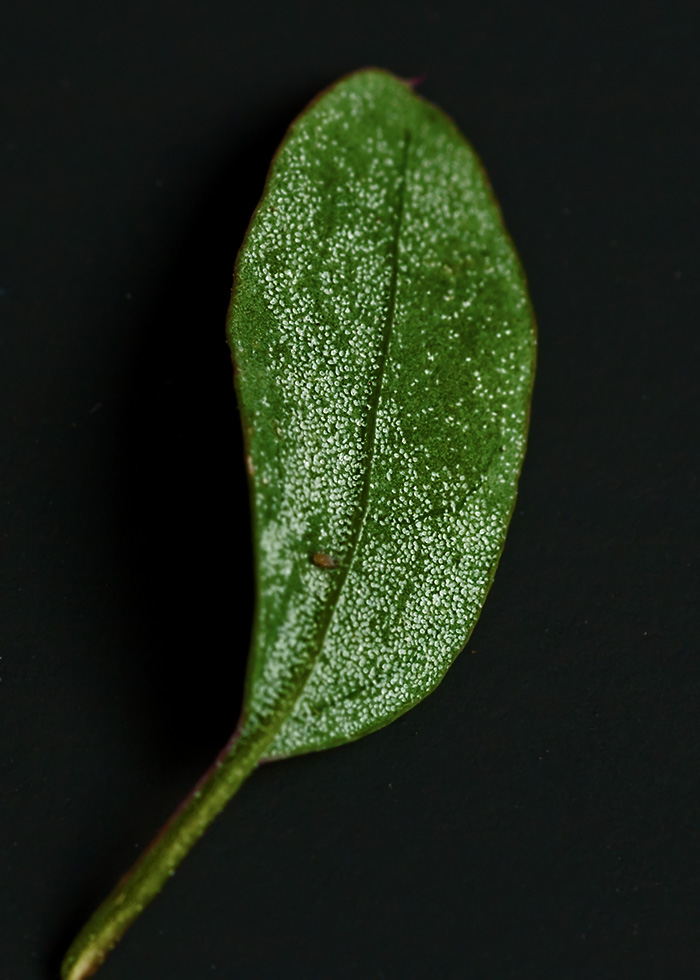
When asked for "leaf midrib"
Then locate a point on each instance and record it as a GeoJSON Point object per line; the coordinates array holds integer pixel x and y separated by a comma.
{"type": "Point", "coordinates": [288, 705]}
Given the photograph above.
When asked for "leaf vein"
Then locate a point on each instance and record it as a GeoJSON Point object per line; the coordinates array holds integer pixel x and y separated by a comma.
{"type": "Point", "coordinates": [372, 416]}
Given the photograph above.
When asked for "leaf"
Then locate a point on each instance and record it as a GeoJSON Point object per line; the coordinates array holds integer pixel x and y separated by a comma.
{"type": "Point", "coordinates": [384, 351]}
{"type": "Point", "coordinates": [384, 344]}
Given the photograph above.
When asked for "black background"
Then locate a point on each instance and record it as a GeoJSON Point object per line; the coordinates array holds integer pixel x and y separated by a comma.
{"type": "Point", "coordinates": [536, 817]}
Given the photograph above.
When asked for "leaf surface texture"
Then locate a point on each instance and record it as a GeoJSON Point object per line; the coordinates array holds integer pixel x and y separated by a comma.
{"type": "Point", "coordinates": [384, 346]}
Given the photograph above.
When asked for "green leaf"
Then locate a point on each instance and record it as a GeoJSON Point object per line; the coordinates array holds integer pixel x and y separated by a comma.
{"type": "Point", "coordinates": [384, 345]}
{"type": "Point", "coordinates": [384, 349]}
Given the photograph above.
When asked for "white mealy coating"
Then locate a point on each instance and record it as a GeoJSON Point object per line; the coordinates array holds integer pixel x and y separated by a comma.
{"type": "Point", "coordinates": [397, 393]}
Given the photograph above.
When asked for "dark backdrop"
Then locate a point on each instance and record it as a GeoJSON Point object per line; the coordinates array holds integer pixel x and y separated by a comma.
{"type": "Point", "coordinates": [536, 817]}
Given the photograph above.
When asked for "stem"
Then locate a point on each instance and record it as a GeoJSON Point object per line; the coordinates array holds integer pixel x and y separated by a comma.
{"type": "Point", "coordinates": [142, 883]}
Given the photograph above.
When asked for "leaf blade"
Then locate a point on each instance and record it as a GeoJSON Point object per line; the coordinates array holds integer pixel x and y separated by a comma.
{"type": "Point", "coordinates": [358, 411]}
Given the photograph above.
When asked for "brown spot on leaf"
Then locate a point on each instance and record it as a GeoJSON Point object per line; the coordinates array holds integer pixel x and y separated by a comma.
{"type": "Point", "coordinates": [323, 560]}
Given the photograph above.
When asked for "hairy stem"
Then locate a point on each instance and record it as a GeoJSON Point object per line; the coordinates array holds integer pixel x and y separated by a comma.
{"type": "Point", "coordinates": [158, 863]}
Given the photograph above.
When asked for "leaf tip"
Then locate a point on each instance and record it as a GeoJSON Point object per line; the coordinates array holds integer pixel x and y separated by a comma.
{"type": "Point", "coordinates": [415, 80]}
